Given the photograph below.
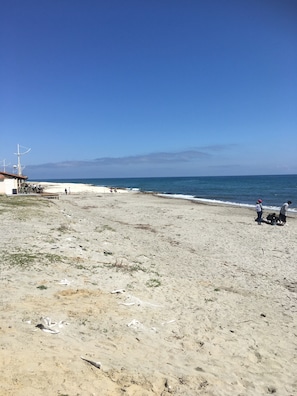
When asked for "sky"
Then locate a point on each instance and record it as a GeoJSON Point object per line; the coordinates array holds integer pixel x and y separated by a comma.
{"type": "Point", "coordinates": [146, 88]}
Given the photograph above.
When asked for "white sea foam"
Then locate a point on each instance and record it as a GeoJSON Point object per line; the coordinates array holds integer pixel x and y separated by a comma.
{"type": "Point", "coordinates": [219, 202]}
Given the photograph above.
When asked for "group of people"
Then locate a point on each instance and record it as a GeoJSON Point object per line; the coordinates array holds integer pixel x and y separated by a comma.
{"type": "Point", "coordinates": [27, 188]}
{"type": "Point", "coordinates": [272, 218]}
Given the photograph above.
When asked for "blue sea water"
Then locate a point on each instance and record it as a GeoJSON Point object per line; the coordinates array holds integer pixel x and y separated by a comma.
{"type": "Point", "coordinates": [238, 190]}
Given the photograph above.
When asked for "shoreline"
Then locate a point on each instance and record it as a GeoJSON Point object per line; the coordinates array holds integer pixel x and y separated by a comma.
{"type": "Point", "coordinates": [81, 188]}
{"type": "Point", "coordinates": [231, 190]}
{"type": "Point", "coordinates": [77, 188]}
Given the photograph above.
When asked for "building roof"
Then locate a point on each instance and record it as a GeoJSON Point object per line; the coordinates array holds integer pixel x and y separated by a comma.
{"type": "Point", "coordinates": [7, 175]}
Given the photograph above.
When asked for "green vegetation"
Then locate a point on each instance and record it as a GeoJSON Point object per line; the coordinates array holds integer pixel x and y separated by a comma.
{"type": "Point", "coordinates": [153, 283]}
{"type": "Point", "coordinates": [23, 207]}
{"type": "Point", "coordinates": [83, 322]}
{"type": "Point", "coordinates": [80, 267]}
{"type": "Point", "coordinates": [105, 227]}
{"type": "Point", "coordinates": [126, 267]}
{"type": "Point", "coordinates": [27, 258]}
{"type": "Point", "coordinates": [22, 202]}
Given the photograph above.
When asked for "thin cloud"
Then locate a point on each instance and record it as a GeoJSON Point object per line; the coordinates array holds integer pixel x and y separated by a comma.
{"type": "Point", "coordinates": [219, 147]}
{"type": "Point", "coordinates": [153, 158]}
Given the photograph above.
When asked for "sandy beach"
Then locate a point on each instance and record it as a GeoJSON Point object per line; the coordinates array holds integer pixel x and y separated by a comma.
{"type": "Point", "coordinates": [137, 295]}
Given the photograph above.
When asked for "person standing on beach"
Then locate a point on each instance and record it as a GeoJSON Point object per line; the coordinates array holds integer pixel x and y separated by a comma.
{"type": "Point", "coordinates": [283, 212]}
{"type": "Point", "coordinates": [259, 211]}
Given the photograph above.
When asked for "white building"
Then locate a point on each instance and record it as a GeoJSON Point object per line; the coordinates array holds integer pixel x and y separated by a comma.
{"type": "Point", "coordinates": [10, 183]}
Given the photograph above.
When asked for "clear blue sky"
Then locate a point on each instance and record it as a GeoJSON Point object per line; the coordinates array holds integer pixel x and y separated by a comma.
{"type": "Point", "coordinates": [134, 88]}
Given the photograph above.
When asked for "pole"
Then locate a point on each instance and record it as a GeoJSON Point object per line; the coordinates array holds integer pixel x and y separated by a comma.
{"type": "Point", "coordinates": [19, 166]}
{"type": "Point", "coordinates": [19, 161]}
{"type": "Point", "coordinates": [4, 165]}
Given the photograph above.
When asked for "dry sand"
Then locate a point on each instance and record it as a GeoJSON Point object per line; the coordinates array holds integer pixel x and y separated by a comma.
{"type": "Point", "coordinates": [206, 301]}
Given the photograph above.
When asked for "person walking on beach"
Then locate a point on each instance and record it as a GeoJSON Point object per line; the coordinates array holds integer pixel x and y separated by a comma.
{"type": "Point", "coordinates": [259, 211]}
{"type": "Point", "coordinates": [283, 212]}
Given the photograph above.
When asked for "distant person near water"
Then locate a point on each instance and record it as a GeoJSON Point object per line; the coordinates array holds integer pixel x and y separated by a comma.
{"type": "Point", "coordinates": [283, 212]}
{"type": "Point", "coordinates": [259, 211]}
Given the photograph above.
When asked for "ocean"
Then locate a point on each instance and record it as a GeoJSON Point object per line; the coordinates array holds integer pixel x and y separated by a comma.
{"type": "Point", "coordinates": [235, 190]}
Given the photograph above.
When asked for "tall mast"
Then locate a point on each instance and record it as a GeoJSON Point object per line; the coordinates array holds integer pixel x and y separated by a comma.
{"type": "Point", "coordinates": [4, 165]}
{"type": "Point", "coordinates": [19, 166]}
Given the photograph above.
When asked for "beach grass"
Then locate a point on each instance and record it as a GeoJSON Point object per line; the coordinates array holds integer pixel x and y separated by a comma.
{"type": "Point", "coordinates": [27, 258]}
{"type": "Point", "coordinates": [23, 201]}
